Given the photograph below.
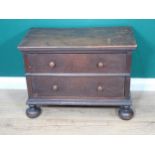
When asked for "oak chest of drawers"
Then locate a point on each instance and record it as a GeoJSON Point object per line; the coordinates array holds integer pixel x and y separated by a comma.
{"type": "Point", "coordinates": [78, 67]}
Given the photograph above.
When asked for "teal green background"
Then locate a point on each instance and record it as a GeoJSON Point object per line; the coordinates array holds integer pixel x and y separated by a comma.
{"type": "Point", "coordinates": [12, 31]}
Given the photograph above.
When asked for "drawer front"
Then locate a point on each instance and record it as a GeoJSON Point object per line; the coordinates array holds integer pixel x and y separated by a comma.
{"type": "Point", "coordinates": [75, 63]}
{"type": "Point", "coordinates": [76, 87]}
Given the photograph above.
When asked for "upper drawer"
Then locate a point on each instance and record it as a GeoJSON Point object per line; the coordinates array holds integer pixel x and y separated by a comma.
{"type": "Point", "coordinates": [75, 63]}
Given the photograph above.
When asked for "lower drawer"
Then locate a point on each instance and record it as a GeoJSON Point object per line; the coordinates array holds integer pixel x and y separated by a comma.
{"type": "Point", "coordinates": [76, 87]}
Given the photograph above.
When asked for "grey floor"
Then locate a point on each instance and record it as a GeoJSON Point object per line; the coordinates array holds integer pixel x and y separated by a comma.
{"type": "Point", "coordinates": [61, 120]}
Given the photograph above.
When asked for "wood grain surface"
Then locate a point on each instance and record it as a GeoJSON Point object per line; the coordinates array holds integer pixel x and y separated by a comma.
{"type": "Point", "coordinates": [78, 38]}
{"type": "Point", "coordinates": [75, 120]}
{"type": "Point", "coordinates": [79, 87]}
{"type": "Point", "coordinates": [76, 63]}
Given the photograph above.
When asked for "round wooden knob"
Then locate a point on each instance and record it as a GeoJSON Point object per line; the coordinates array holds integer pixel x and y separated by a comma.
{"type": "Point", "coordinates": [100, 65]}
{"type": "Point", "coordinates": [52, 64]}
{"type": "Point", "coordinates": [55, 87]}
{"type": "Point", "coordinates": [100, 88]}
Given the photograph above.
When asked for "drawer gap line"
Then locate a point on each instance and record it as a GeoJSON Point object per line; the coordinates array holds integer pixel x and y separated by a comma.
{"type": "Point", "coordinates": [77, 74]}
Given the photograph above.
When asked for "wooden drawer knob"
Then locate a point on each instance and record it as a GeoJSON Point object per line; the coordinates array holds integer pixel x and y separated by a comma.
{"type": "Point", "coordinates": [52, 64]}
{"type": "Point", "coordinates": [55, 87]}
{"type": "Point", "coordinates": [100, 88]}
{"type": "Point", "coordinates": [100, 65]}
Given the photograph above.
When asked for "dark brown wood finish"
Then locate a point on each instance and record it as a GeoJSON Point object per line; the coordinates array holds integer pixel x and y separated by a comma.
{"type": "Point", "coordinates": [76, 63]}
{"type": "Point", "coordinates": [77, 87]}
{"type": "Point", "coordinates": [78, 38]}
{"type": "Point", "coordinates": [127, 87]}
{"type": "Point", "coordinates": [80, 102]}
{"type": "Point", "coordinates": [128, 62]}
{"type": "Point", "coordinates": [127, 79]}
{"type": "Point", "coordinates": [78, 67]}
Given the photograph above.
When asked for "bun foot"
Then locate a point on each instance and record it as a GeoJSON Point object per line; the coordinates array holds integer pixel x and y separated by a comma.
{"type": "Point", "coordinates": [33, 111]}
{"type": "Point", "coordinates": [125, 112]}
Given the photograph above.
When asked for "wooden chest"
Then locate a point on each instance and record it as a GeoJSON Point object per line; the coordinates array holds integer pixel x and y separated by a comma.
{"type": "Point", "coordinates": [78, 67]}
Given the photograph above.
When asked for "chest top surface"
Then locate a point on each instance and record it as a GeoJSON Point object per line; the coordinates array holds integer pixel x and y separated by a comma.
{"type": "Point", "coordinates": [107, 38]}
